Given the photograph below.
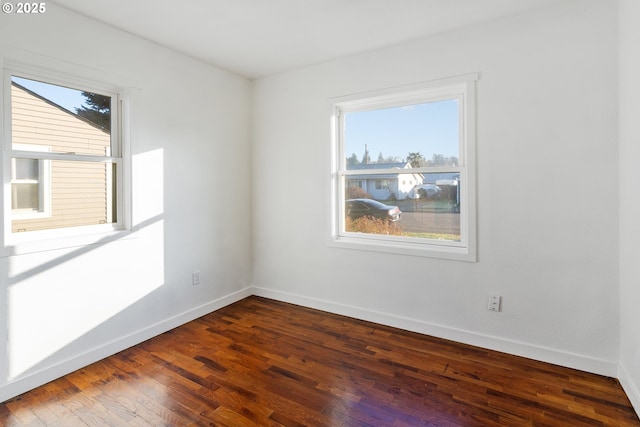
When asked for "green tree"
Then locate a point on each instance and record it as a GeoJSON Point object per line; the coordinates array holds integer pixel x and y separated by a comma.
{"type": "Point", "coordinates": [416, 160]}
{"type": "Point", "coordinates": [353, 160]}
{"type": "Point", "coordinates": [97, 110]}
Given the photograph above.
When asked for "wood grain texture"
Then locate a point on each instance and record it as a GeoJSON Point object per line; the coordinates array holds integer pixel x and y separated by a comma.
{"type": "Point", "coordinates": [261, 363]}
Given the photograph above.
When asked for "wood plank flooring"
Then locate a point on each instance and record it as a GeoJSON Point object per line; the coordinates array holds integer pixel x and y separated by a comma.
{"type": "Point", "coordinates": [261, 363]}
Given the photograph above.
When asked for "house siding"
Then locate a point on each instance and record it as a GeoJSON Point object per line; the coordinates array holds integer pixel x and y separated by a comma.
{"type": "Point", "coordinates": [400, 185]}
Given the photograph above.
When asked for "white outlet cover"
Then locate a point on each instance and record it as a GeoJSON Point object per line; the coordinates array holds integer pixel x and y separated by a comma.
{"type": "Point", "coordinates": [494, 302]}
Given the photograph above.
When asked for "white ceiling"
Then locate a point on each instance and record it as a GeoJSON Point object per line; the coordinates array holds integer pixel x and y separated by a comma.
{"type": "Point", "coordinates": [257, 38]}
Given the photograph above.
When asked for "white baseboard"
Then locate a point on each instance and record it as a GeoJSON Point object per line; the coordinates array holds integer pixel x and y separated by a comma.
{"type": "Point", "coordinates": [630, 388]}
{"type": "Point", "coordinates": [36, 379]}
{"type": "Point", "coordinates": [544, 354]}
{"type": "Point", "coordinates": [576, 361]}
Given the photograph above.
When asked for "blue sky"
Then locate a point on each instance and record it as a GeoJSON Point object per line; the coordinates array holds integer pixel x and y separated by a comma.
{"type": "Point", "coordinates": [430, 128]}
{"type": "Point", "coordinates": [65, 97]}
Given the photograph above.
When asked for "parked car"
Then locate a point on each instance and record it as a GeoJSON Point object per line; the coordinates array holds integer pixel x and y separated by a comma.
{"type": "Point", "coordinates": [429, 191]}
{"type": "Point", "coordinates": [357, 208]}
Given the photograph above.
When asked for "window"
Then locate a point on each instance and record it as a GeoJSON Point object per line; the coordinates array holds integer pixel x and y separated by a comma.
{"type": "Point", "coordinates": [26, 184]}
{"type": "Point", "coordinates": [30, 195]}
{"type": "Point", "coordinates": [62, 158]}
{"type": "Point", "coordinates": [382, 184]}
{"type": "Point", "coordinates": [425, 169]}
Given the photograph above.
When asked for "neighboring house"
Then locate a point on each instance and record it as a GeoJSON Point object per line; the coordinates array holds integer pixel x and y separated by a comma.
{"type": "Point", "coordinates": [388, 186]}
{"type": "Point", "coordinates": [448, 182]}
{"type": "Point", "coordinates": [49, 194]}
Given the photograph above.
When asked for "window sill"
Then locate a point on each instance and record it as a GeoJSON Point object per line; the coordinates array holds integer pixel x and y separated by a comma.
{"type": "Point", "coordinates": [400, 248]}
{"type": "Point", "coordinates": [27, 246]}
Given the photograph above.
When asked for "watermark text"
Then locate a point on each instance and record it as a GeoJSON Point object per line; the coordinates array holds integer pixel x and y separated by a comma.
{"type": "Point", "coordinates": [24, 8]}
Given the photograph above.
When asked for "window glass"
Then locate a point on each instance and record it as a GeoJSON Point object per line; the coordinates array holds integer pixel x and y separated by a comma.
{"type": "Point", "coordinates": [25, 185]}
{"type": "Point", "coordinates": [69, 121]}
{"type": "Point", "coordinates": [82, 193]}
{"type": "Point", "coordinates": [424, 135]}
{"type": "Point", "coordinates": [431, 210]}
{"type": "Point", "coordinates": [25, 197]}
{"type": "Point", "coordinates": [409, 157]}
{"type": "Point", "coordinates": [26, 169]}
{"type": "Point", "coordinates": [63, 169]}
{"type": "Point", "coordinates": [414, 139]}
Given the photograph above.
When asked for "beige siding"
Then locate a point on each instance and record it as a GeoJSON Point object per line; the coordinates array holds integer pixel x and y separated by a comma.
{"type": "Point", "coordinates": [78, 190]}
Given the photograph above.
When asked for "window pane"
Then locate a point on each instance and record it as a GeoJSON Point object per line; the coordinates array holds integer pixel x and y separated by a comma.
{"type": "Point", "coordinates": [420, 135]}
{"type": "Point", "coordinates": [79, 193]}
{"type": "Point", "coordinates": [63, 119]}
{"type": "Point", "coordinates": [25, 185]}
{"type": "Point", "coordinates": [428, 209]}
{"type": "Point", "coordinates": [26, 169]}
{"type": "Point", "coordinates": [25, 197]}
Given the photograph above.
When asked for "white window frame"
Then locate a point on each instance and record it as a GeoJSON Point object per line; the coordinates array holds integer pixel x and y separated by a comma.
{"type": "Point", "coordinates": [26, 242]}
{"type": "Point", "coordinates": [461, 88]}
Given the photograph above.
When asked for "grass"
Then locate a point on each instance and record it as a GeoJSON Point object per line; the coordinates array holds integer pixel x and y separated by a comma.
{"type": "Point", "coordinates": [372, 226]}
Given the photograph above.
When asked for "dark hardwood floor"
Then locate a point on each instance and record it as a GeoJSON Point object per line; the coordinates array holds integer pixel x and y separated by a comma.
{"type": "Point", "coordinates": [260, 362]}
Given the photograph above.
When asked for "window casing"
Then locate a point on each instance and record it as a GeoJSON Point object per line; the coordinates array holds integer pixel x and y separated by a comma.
{"type": "Point", "coordinates": [65, 171]}
{"type": "Point", "coordinates": [436, 193]}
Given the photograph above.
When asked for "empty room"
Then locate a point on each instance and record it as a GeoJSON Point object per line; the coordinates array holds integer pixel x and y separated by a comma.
{"type": "Point", "coordinates": [320, 213]}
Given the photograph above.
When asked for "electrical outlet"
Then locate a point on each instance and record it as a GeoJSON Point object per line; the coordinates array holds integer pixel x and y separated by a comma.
{"type": "Point", "coordinates": [195, 278]}
{"type": "Point", "coordinates": [494, 302]}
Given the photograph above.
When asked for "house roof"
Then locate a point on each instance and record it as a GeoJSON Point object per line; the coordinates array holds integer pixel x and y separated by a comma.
{"type": "Point", "coordinates": [443, 178]}
{"type": "Point", "coordinates": [377, 166]}
{"type": "Point", "coordinates": [429, 178]}
{"type": "Point", "coordinates": [366, 166]}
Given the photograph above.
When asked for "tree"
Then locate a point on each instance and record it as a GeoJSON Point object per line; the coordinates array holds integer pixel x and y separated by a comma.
{"type": "Point", "coordinates": [416, 160]}
{"type": "Point", "coordinates": [442, 160]}
{"type": "Point", "coordinates": [353, 160]}
{"type": "Point", "coordinates": [438, 159]}
{"type": "Point", "coordinates": [356, 193]}
{"type": "Point", "coordinates": [388, 159]}
{"type": "Point", "coordinates": [97, 110]}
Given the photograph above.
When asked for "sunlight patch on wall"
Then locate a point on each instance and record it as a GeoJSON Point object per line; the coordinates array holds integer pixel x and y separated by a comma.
{"type": "Point", "coordinates": [62, 296]}
{"type": "Point", "coordinates": [148, 194]}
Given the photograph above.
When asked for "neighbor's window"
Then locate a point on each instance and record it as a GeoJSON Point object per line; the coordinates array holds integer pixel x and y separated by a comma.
{"type": "Point", "coordinates": [408, 161]}
{"type": "Point", "coordinates": [63, 154]}
{"type": "Point", "coordinates": [30, 195]}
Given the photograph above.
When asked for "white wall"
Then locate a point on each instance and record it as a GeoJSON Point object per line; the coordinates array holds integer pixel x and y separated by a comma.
{"type": "Point", "coordinates": [547, 186]}
{"type": "Point", "coordinates": [547, 190]}
{"type": "Point", "coordinates": [629, 374]}
{"type": "Point", "coordinates": [63, 308]}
